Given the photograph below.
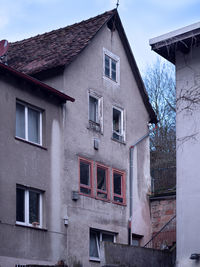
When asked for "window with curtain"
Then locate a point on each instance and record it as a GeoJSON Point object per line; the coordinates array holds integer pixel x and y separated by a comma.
{"type": "Point", "coordinates": [28, 123]}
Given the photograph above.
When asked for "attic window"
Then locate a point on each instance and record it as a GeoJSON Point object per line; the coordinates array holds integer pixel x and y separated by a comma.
{"type": "Point", "coordinates": [111, 66]}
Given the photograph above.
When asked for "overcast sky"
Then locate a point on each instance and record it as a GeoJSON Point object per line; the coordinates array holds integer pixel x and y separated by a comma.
{"type": "Point", "coordinates": [142, 19]}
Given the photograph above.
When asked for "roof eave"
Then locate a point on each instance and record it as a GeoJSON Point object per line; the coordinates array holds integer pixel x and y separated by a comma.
{"type": "Point", "coordinates": [135, 70]}
{"type": "Point", "coordinates": [168, 44]}
{"type": "Point", "coordinates": [63, 97]}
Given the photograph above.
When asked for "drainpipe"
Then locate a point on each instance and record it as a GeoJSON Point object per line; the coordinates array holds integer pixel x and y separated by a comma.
{"type": "Point", "coordinates": [131, 182]}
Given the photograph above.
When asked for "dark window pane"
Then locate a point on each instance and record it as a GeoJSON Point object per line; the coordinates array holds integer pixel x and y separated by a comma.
{"type": "Point", "coordinates": [107, 66]}
{"type": "Point", "coordinates": [101, 179]}
{"type": "Point", "coordinates": [107, 237]}
{"type": "Point", "coordinates": [20, 200]}
{"type": "Point", "coordinates": [85, 190]}
{"type": "Point", "coordinates": [116, 120]}
{"type": "Point", "coordinates": [93, 109]}
{"type": "Point", "coordinates": [85, 173]}
{"type": "Point", "coordinates": [113, 70]}
{"type": "Point", "coordinates": [34, 206]}
{"type": "Point", "coordinates": [118, 199]}
{"type": "Point", "coordinates": [117, 183]}
{"type": "Point", "coordinates": [33, 125]}
{"type": "Point", "coordinates": [20, 120]}
{"type": "Point", "coordinates": [94, 244]}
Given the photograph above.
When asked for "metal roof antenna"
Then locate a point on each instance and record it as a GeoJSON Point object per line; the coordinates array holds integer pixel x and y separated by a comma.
{"type": "Point", "coordinates": [4, 45]}
{"type": "Point", "coordinates": [117, 4]}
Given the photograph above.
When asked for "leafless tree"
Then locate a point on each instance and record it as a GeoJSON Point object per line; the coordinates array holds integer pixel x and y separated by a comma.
{"type": "Point", "coordinates": [159, 79]}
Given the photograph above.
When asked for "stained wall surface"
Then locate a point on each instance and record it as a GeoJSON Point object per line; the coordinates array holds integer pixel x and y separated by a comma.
{"type": "Point", "coordinates": [188, 152]}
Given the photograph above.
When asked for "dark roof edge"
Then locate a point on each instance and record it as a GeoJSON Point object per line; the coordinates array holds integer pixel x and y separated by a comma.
{"type": "Point", "coordinates": [135, 70]}
{"type": "Point", "coordinates": [63, 97]}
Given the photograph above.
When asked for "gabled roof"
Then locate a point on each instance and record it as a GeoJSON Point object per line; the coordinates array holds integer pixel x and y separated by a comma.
{"type": "Point", "coordinates": [44, 87]}
{"type": "Point", "coordinates": [55, 48]}
{"type": "Point", "coordinates": [60, 47]}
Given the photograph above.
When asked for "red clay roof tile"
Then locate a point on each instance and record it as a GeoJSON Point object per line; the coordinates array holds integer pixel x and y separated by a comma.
{"type": "Point", "coordinates": [55, 48]}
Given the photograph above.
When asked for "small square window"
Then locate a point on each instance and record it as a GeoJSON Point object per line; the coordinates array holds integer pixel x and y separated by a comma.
{"type": "Point", "coordinates": [118, 124]}
{"type": "Point", "coordinates": [119, 186]}
{"type": "Point", "coordinates": [111, 66]}
{"type": "Point", "coordinates": [102, 176]}
{"type": "Point", "coordinates": [86, 176]}
{"type": "Point", "coordinates": [28, 207]}
{"type": "Point", "coordinates": [96, 237]}
{"type": "Point", "coordinates": [28, 123]}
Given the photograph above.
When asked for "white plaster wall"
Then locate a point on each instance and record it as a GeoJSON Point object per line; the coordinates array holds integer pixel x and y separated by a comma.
{"type": "Point", "coordinates": [188, 154]}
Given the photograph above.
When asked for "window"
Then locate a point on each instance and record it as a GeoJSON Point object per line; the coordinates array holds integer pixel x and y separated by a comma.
{"type": "Point", "coordinates": [28, 207]}
{"type": "Point", "coordinates": [136, 239]}
{"type": "Point", "coordinates": [86, 176]}
{"type": "Point", "coordinates": [118, 124]}
{"type": "Point", "coordinates": [96, 237]}
{"type": "Point", "coordinates": [28, 123]}
{"type": "Point", "coordinates": [119, 186]}
{"type": "Point", "coordinates": [95, 111]}
{"type": "Point", "coordinates": [102, 182]}
{"type": "Point", "coordinates": [111, 66]}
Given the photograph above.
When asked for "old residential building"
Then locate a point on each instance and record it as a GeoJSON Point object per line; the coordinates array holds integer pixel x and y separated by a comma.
{"type": "Point", "coordinates": [31, 165]}
{"type": "Point", "coordinates": [96, 194]}
{"type": "Point", "coordinates": [181, 47]}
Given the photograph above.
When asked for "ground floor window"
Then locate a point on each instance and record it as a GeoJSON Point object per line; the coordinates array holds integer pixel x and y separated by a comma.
{"type": "Point", "coordinates": [28, 206]}
{"type": "Point", "coordinates": [96, 236]}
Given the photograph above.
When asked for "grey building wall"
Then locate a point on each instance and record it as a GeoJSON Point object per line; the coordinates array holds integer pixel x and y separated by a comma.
{"type": "Point", "coordinates": [56, 170]}
{"type": "Point", "coordinates": [119, 255]}
{"type": "Point", "coordinates": [188, 152]}
{"type": "Point", "coordinates": [82, 75]}
{"type": "Point", "coordinates": [32, 166]}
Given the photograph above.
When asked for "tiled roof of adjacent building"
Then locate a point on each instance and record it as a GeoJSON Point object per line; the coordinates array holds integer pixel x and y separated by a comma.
{"type": "Point", "coordinates": [55, 48]}
{"type": "Point", "coordinates": [60, 47]}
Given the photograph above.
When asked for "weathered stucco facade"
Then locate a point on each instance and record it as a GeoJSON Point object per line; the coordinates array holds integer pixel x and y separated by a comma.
{"type": "Point", "coordinates": [32, 167]}
{"type": "Point", "coordinates": [181, 47]}
{"type": "Point", "coordinates": [71, 215]}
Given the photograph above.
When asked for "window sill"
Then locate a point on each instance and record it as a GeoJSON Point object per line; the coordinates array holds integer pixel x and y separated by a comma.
{"type": "Point", "coordinates": [119, 203]}
{"type": "Point", "coordinates": [118, 141]}
{"type": "Point", "coordinates": [111, 80]}
{"type": "Point", "coordinates": [30, 143]}
{"type": "Point", "coordinates": [31, 227]}
{"type": "Point", "coordinates": [93, 126]}
{"type": "Point", "coordinates": [95, 259]}
{"type": "Point", "coordinates": [104, 200]}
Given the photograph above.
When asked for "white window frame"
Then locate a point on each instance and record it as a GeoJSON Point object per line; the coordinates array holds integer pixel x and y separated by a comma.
{"type": "Point", "coordinates": [100, 232]}
{"type": "Point", "coordinates": [27, 106]}
{"type": "Point", "coordinates": [26, 207]}
{"type": "Point", "coordinates": [117, 60]}
{"type": "Point", "coordinates": [122, 124]}
{"type": "Point", "coordinates": [99, 111]}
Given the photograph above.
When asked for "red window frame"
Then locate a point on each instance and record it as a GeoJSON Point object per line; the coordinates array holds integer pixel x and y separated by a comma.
{"type": "Point", "coordinates": [107, 191]}
{"type": "Point", "coordinates": [123, 187]}
{"type": "Point", "coordinates": [90, 187]}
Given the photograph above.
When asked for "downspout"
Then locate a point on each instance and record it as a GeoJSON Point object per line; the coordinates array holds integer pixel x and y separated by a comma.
{"type": "Point", "coordinates": [131, 183]}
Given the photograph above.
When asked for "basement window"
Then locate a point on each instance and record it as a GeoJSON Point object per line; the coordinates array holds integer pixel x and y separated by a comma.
{"type": "Point", "coordinates": [96, 237]}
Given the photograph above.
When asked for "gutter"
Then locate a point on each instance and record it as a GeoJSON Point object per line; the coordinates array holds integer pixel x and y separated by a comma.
{"type": "Point", "coordinates": [131, 183]}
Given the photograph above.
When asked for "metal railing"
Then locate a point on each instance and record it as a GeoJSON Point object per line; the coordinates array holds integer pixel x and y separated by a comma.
{"type": "Point", "coordinates": [165, 238]}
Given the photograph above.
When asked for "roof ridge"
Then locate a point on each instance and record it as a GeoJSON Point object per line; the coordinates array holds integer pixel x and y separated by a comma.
{"type": "Point", "coordinates": [62, 28]}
